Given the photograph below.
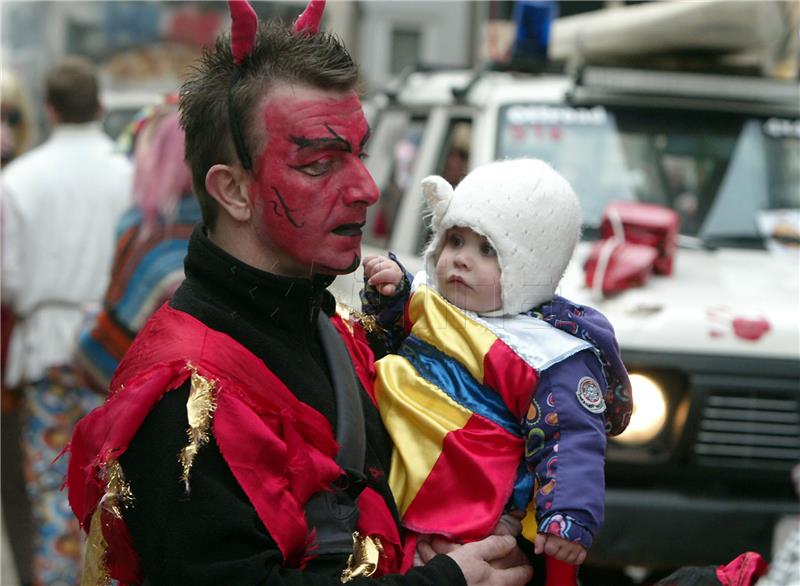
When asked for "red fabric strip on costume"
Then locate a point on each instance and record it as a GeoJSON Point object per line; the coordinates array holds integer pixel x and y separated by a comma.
{"type": "Point", "coordinates": [357, 346]}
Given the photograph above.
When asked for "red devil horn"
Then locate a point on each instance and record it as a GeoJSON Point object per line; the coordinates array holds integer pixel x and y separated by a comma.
{"type": "Point", "coordinates": [308, 22]}
{"type": "Point", "coordinates": [243, 29]}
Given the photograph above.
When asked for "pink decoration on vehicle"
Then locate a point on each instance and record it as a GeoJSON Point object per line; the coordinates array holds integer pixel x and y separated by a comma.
{"type": "Point", "coordinates": [308, 22]}
{"type": "Point", "coordinates": [750, 329]}
{"type": "Point", "coordinates": [724, 321]}
{"type": "Point", "coordinates": [243, 29]}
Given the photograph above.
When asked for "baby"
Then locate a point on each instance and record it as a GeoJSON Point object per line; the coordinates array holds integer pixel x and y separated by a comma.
{"type": "Point", "coordinates": [497, 393]}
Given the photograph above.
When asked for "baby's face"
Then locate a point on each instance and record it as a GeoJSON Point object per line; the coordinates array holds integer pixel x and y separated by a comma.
{"type": "Point", "coordinates": [468, 272]}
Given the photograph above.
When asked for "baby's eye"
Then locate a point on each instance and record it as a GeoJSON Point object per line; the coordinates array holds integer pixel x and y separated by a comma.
{"type": "Point", "coordinates": [316, 168]}
{"type": "Point", "coordinates": [488, 250]}
{"type": "Point", "coordinates": [455, 240]}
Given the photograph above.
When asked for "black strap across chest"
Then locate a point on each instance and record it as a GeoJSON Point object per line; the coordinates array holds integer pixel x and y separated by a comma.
{"type": "Point", "coordinates": [334, 514]}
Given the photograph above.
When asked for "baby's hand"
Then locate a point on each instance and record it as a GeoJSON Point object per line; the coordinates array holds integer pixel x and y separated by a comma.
{"type": "Point", "coordinates": [383, 273]}
{"type": "Point", "coordinates": [559, 548]}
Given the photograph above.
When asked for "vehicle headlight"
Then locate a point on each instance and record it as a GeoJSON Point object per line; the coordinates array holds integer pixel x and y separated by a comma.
{"type": "Point", "coordinates": [649, 411]}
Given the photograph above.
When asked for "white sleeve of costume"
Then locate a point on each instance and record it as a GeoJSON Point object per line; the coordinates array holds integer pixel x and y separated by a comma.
{"type": "Point", "coordinates": [11, 225]}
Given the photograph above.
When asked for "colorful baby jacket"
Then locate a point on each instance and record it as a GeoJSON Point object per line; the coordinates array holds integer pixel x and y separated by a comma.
{"type": "Point", "coordinates": [487, 412]}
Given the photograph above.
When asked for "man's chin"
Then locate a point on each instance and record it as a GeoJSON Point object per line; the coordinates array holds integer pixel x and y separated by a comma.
{"type": "Point", "coordinates": [324, 269]}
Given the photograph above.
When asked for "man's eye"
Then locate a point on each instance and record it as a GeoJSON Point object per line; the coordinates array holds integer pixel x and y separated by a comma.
{"type": "Point", "coordinates": [317, 168]}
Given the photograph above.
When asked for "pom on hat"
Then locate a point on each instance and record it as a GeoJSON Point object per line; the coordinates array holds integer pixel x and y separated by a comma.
{"type": "Point", "coordinates": [438, 193]}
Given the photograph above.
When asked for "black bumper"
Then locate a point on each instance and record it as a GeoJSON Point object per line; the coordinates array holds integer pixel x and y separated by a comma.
{"type": "Point", "coordinates": [660, 529]}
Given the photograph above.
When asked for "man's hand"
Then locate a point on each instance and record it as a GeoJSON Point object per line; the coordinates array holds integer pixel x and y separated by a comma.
{"type": "Point", "coordinates": [383, 273]}
{"type": "Point", "coordinates": [559, 548]}
{"type": "Point", "coordinates": [494, 561]}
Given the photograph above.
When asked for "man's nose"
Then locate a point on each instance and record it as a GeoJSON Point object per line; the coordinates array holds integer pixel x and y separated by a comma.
{"type": "Point", "coordinates": [361, 187]}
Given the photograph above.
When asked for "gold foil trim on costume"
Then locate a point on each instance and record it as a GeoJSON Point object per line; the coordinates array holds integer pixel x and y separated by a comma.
{"type": "Point", "coordinates": [118, 495]}
{"type": "Point", "coordinates": [94, 563]}
{"type": "Point", "coordinates": [118, 491]}
{"type": "Point", "coordinates": [199, 409]}
{"type": "Point", "coordinates": [368, 322]}
{"type": "Point", "coordinates": [363, 562]}
{"type": "Point", "coordinates": [350, 316]}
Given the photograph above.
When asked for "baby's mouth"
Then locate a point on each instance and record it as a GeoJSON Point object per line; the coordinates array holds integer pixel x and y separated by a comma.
{"type": "Point", "coordinates": [455, 279]}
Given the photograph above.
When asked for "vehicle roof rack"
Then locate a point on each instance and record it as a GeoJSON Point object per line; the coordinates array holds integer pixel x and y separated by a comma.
{"type": "Point", "coordinates": [392, 91]}
{"type": "Point", "coordinates": [651, 83]}
{"type": "Point", "coordinates": [460, 93]}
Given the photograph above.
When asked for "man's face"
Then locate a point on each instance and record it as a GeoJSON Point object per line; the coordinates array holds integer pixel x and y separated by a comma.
{"type": "Point", "coordinates": [312, 189]}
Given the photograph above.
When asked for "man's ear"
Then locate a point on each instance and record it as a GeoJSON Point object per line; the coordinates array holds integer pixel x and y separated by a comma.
{"type": "Point", "coordinates": [230, 187]}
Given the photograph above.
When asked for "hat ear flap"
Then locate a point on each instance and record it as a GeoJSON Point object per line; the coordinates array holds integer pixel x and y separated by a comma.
{"type": "Point", "coordinates": [438, 193]}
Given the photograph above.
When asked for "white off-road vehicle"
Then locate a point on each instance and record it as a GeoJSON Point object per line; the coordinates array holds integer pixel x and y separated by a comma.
{"type": "Point", "coordinates": [703, 472]}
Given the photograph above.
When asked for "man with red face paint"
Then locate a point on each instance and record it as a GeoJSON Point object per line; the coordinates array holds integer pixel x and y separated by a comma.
{"type": "Point", "coordinates": [240, 443]}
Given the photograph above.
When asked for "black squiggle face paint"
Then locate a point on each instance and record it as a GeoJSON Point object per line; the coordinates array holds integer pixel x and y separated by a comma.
{"type": "Point", "coordinates": [282, 210]}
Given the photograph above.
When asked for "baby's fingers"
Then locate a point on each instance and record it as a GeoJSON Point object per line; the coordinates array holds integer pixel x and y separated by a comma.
{"type": "Point", "coordinates": [538, 543]}
{"type": "Point", "coordinates": [372, 264]}
{"type": "Point", "coordinates": [554, 548]}
{"type": "Point", "coordinates": [388, 289]}
{"type": "Point", "coordinates": [573, 554]}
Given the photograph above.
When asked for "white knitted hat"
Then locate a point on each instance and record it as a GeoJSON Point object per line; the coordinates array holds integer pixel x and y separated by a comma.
{"type": "Point", "coordinates": [529, 213]}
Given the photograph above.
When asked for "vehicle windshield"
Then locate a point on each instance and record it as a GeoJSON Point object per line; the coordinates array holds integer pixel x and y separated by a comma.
{"type": "Point", "coordinates": [719, 171]}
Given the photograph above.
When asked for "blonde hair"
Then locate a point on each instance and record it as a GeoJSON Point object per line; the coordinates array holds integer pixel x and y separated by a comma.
{"type": "Point", "coordinates": [14, 97]}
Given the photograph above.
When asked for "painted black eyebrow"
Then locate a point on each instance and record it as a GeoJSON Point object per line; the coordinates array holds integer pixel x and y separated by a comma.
{"type": "Point", "coordinates": [367, 136]}
{"type": "Point", "coordinates": [335, 142]}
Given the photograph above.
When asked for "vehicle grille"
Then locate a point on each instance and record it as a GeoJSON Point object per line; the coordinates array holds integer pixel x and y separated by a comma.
{"type": "Point", "coordinates": [745, 430]}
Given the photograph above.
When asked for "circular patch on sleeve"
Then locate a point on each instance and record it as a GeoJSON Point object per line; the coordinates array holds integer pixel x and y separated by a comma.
{"type": "Point", "coordinates": [590, 396]}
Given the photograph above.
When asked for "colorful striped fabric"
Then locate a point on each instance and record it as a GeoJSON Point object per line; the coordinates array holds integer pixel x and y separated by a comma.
{"type": "Point", "coordinates": [453, 399]}
{"type": "Point", "coordinates": [146, 271]}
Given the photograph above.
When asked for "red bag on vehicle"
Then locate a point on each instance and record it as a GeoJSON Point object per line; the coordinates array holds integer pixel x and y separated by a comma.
{"type": "Point", "coordinates": [637, 239]}
{"type": "Point", "coordinates": [649, 224]}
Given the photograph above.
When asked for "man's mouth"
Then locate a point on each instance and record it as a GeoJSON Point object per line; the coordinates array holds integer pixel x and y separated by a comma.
{"type": "Point", "coordinates": [349, 229]}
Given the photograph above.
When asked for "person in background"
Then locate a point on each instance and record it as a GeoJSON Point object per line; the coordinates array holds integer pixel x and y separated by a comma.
{"type": "Point", "coordinates": [498, 394]}
{"type": "Point", "coordinates": [60, 203]}
{"type": "Point", "coordinates": [456, 164]}
{"type": "Point", "coordinates": [16, 136]}
{"type": "Point", "coordinates": [152, 238]}
{"type": "Point", "coordinates": [239, 443]}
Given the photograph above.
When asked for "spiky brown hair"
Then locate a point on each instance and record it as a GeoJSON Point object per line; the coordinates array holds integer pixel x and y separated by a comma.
{"type": "Point", "coordinates": [280, 55]}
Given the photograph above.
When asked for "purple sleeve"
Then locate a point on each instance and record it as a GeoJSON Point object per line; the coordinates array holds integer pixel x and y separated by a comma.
{"type": "Point", "coordinates": [566, 446]}
{"type": "Point", "coordinates": [388, 312]}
